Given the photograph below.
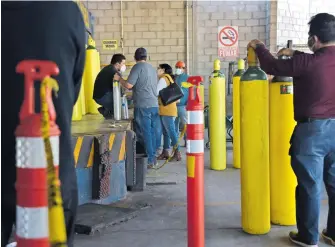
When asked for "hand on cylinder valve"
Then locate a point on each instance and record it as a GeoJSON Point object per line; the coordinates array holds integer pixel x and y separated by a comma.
{"type": "Point", "coordinates": [285, 52]}
{"type": "Point", "coordinates": [253, 43]}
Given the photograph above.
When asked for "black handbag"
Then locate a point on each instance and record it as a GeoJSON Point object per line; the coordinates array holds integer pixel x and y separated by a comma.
{"type": "Point", "coordinates": [171, 93]}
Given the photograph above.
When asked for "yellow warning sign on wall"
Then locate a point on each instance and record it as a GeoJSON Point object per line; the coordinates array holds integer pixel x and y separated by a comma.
{"type": "Point", "coordinates": [109, 44]}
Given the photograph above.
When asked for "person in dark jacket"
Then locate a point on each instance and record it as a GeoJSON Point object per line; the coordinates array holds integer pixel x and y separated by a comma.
{"type": "Point", "coordinates": [313, 140]}
{"type": "Point", "coordinates": [103, 86]}
{"type": "Point", "coordinates": [52, 31]}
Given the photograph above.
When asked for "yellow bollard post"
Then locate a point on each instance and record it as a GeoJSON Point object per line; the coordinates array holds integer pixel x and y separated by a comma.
{"type": "Point", "coordinates": [282, 178]}
{"type": "Point", "coordinates": [92, 68]}
{"type": "Point", "coordinates": [217, 118]}
{"type": "Point", "coordinates": [236, 113]}
{"type": "Point", "coordinates": [255, 182]}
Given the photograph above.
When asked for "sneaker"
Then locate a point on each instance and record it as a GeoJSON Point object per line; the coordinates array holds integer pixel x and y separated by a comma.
{"type": "Point", "coordinates": [101, 110]}
{"type": "Point", "coordinates": [176, 156]}
{"type": "Point", "coordinates": [158, 152]}
{"type": "Point", "coordinates": [108, 114]}
{"type": "Point", "coordinates": [327, 238]}
{"type": "Point", "coordinates": [294, 238]}
{"type": "Point", "coordinates": [14, 244]}
{"type": "Point", "coordinates": [153, 165]}
{"type": "Point", "coordinates": [164, 155]}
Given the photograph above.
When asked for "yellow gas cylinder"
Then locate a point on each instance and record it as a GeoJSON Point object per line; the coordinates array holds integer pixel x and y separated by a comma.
{"type": "Point", "coordinates": [202, 93]}
{"type": "Point", "coordinates": [255, 181]}
{"type": "Point", "coordinates": [77, 113]}
{"type": "Point", "coordinates": [92, 68]}
{"type": "Point", "coordinates": [236, 113]}
{"type": "Point", "coordinates": [217, 118]}
{"type": "Point", "coordinates": [282, 179]}
{"type": "Point", "coordinates": [82, 96]}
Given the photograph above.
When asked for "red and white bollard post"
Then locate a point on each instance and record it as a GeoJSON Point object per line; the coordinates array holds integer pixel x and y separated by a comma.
{"type": "Point", "coordinates": [195, 170]}
{"type": "Point", "coordinates": [32, 224]}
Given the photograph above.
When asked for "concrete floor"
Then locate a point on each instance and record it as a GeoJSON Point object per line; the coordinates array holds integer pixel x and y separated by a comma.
{"type": "Point", "coordinates": [164, 224]}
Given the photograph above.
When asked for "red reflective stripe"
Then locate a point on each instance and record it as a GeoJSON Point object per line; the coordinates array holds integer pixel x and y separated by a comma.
{"type": "Point", "coordinates": [195, 132]}
{"type": "Point", "coordinates": [31, 186]}
{"type": "Point", "coordinates": [40, 242]}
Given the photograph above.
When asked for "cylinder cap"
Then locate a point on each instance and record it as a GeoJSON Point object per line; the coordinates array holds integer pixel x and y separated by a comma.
{"type": "Point", "coordinates": [90, 41]}
{"type": "Point", "coordinates": [240, 64]}
{"type": "Point", "coordinates": [217, 63]}
{"type": "Point", "coordinates": [252, 57]}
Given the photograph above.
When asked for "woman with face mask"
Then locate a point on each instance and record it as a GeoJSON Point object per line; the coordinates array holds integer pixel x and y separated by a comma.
{"type": "Point", "coordinates": [167, 116]}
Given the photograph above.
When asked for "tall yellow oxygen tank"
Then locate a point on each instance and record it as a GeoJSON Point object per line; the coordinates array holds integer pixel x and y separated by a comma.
{"type": "Point", "coordinates": [92, 68]}
{"type": "Point", "coordinates": [77, 113]}
{"type": "Point", "coordinates": [282, 179]}
{"type": "Point", "coordinates": [217, 118]}
{"type": "Point", "coordinates": [202, 93]}
{"type": "Point", "coordinates": [236, 113]}
{"type": "Point", "coordinates": [82, 96]}
{"type": "Point", "coordinates": [255, 181]}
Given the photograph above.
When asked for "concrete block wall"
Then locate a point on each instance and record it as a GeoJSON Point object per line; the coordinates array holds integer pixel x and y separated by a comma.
{"type": "Point", "coordinates": [293, 18]}
{"type": "Point", "coordinates": [159, 26]}
{"type": "Point", "coordinates": [271, 25]}
{"type": "Point", "coordinates": [249, 16]}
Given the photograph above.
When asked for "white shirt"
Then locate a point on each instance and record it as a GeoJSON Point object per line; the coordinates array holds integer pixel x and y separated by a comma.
{"type": "Point", "coordinates": [161, 85]}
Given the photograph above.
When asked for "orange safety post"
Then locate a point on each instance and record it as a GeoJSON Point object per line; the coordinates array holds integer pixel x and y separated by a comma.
{"type": "Point", "coordinates": [195, 169]}
{"type": "Point", "coordinates": [32, 223]}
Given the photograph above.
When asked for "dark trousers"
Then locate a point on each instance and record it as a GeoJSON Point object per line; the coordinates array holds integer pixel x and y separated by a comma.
{"type": "Point", "coordinates": [106, 101]}
{"type": "Point", "coordinates": [69, 192]}
{"type": "Point", "coordinates": [313, 161]}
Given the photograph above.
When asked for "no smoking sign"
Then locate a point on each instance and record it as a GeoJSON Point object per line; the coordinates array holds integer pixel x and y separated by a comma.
{"type": "Point", "coordinates": [228, 42]}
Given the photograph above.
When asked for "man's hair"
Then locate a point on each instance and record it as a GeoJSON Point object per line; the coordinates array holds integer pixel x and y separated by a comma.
{"type": "Point", "coordinates": [323, 26]}
{"type": "Point", "coordinates": [141, 54]}
{"type": "Point", "coordinates": [117, 58]}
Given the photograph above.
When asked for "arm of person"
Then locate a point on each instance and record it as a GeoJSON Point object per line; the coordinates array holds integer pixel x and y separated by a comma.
{"type": "Point", "coordinates": [126, 84]}
{"type": "Point", "coordinates": [132, 78]}
{"type": "Point", "coordinates": [288, 67]}
{"type": "Point", "coordinates": [161, 85]}
{"type": "Point", "coordinates": [79, 34]}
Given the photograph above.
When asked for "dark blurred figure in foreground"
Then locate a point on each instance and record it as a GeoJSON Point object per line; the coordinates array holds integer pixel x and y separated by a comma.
{"type": "Point", "coordinates": [52, 31]}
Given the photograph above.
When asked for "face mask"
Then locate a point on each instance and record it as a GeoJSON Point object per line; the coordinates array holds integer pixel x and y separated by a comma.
{"type": "Point", "coordinates": [123, 68]}
{"type": "Point", "coordinates": [311, 43]}
{"type": "Point", "coordinates": [179, 71]}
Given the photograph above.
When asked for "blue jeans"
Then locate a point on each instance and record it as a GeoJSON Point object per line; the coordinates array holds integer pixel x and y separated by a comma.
{"type": "Point", "coordinates": [106, 101]}
{"type": "Point", "coordinates": [313, 160]}
{"type": "Point", "coordinates": [167, 127]}
{"type": "Point", "coordinates": [136, 126]}
{"type": "Point", "coordinates": [147, 119]}
{"type": "Point", "coordinates": [181, 120]}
